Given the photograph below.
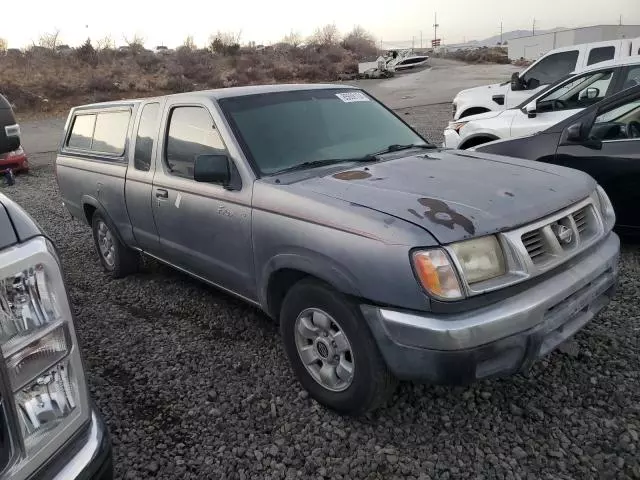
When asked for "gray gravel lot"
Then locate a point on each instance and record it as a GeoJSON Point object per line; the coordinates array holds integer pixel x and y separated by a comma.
{"type": "Point", "coordinates": [195, 384]}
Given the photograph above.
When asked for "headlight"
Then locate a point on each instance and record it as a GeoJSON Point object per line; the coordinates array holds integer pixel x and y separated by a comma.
{"type": "Point", "coordinates": [480, 259]}
{"type": "Point", "coordinates": [606, 209]}
{"type": "Point", "coordinates": [456, 126]}
{"type": "Point", "coordinates": [437, 274]}
{"type": "Point", "coordinates": [46, 397]}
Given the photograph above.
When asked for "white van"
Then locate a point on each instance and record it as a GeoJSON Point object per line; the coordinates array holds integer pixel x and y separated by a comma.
{"type": "Point", "coordinates": [545, 71]}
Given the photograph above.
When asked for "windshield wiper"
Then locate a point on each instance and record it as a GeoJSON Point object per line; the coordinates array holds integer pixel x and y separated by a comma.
{"type": "Point", "coordinates": [396, 147]}
{"type": "Point", "coordinates": [327, 161]}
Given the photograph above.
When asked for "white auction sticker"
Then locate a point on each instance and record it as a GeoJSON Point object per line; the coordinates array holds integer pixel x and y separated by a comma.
{"type": "Point", "coordinates": [349, 97]}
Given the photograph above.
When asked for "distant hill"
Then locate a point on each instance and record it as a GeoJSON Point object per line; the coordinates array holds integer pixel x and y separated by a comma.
{"type": "Point", "coordinates": [506, 36]}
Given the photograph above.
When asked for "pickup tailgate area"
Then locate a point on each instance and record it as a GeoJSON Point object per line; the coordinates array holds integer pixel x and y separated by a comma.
{"type": "Point", "coordinates": [88, 183]}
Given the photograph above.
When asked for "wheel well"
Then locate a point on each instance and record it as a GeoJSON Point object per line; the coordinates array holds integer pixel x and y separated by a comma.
{"type": "Point", "coordinates": [89, 210]}
{"type": "Point", "coordinates": [280, 283]}
{"type": "Point", "coordinates": [473, 111]}
{"type": "Point", "coordinates": [475, 141]}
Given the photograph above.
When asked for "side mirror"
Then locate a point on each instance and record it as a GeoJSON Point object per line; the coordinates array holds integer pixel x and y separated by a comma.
{"type": "Point", "coordinates": [574, 133]}
{"type": "Point", "coordinates": [516, 82]}
{"type": "Point", "coordinates": [592, 92]}
{"type": "Point", "coordinates": [211, 168]}
{"type": "Point", "coordinates": [531, 108]}
{"type": "Point", "coordinates": [578, 134]}
{"type": "Point", "coordinates": [9, 129]}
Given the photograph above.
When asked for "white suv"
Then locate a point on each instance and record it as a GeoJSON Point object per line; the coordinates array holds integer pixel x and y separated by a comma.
{"type": "Point", "coordinates": [548, 107]}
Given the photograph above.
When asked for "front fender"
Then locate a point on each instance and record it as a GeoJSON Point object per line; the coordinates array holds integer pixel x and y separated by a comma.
{"type": "Point", "coordinates": [473, 136]}
{"type": "Point", "coordinates": [312, 263]}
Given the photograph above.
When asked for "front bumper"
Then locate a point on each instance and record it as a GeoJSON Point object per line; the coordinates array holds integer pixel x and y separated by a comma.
{"type": "Point", "coordinates": [451, 139]}
{"type": "Point", "coordinates": [87, 457]}
{"type": "Point", "coordinates": [505, 337]}
{"type": "Point", "coordinates": [17, 164]}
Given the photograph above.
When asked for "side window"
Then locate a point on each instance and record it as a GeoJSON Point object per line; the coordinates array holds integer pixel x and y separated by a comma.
{"type": "Point", "coordinates": [191, 133]}
{"type": "Point", "coordinates": [579, 92]}
{"type": "Point", "coordinates": [147, 131]}
{"type": "Point", "coordinates": [601, 54]}
{"type": "Point", "coordinates": [82, 132]}
{"type": "Point", "coordinates": [632, 77]}
{"type": "Point", "coordinates": [110, 134]}
{"type": "Point", "coordinates": [552, 68]}
{"type": "Point", "coordinates": [619, 123]}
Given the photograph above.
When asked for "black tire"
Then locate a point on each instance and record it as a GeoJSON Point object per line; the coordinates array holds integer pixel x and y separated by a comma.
{"type": "Point", "coordinates": [124, 261]}
{"type": "Point", "coordinates": [372, 384]}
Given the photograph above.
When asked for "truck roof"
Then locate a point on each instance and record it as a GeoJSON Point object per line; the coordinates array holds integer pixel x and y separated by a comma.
{"type": "Point", "coordinates": [219, 93]}
{"type": "Point", "coordinates": [619, 62]}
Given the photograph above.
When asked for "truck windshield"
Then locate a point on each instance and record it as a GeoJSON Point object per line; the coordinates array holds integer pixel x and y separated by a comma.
{"type": "Point", "coordinates": [281, 130]}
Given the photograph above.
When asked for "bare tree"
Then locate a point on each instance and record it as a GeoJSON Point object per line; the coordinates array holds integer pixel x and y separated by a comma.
{"type": "Point", "coordinates": [293, 38]}
{"type": "Point", "coordinates": [226, 43]}
{"type": "Point", "coordinates": [135, 43]}
{"type": "Point", "coordinates": [327, 35]}
{"type": "Point", "coordinates": [3, 45]}
{"type": "Point", "coordinates": [189, 43]}
{"type": "Point", "coordinates": [360, 42]}
{"type": "Point", "coordinates": [49, 40]}
{"type": "Point", "coordinates": [106, 43]}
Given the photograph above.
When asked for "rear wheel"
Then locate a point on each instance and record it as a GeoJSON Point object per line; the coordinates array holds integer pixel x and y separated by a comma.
{"type": "Point", "coordinates": [117, 259]}
{"type": "Point", "coordinates": [332, 351]}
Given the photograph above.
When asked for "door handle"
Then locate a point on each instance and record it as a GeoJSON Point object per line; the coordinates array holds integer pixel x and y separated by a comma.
{"type": "Point", "coordinates": [162, 193]}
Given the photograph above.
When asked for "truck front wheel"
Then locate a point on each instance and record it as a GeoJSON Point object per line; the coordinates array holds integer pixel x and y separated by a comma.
{"type": "Point", "coordinates": [117, 259]}
{"type": "Point", "coordinates": [332, 351]}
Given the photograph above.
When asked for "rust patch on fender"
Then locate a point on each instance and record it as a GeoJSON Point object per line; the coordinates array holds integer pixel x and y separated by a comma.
{"type": "Point", "coordinates": [439, 212]}
{"type": "Point", "coordinates": [352, 175]}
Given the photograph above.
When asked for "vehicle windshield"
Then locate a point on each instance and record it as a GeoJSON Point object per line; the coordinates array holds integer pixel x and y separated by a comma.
{"type": "Point", "coordinates": [282, 130]}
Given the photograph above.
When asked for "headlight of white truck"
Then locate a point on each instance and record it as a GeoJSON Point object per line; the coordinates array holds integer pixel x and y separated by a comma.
{"type": "Point", "coordinates": [45, 390]}
{"type": "Point", "coordinates": [478, 259]}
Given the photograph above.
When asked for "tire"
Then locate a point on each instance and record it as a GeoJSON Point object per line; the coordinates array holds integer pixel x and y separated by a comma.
{"type": "Point", "coordinates": [117, 259]}
{"type": "Point", "coordinates": [313, 304]}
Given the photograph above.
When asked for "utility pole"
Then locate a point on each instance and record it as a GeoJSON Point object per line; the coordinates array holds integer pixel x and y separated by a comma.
{"type": "Point", "coordinates": [435, 26]}
{"type": "Point", "coordinates": [620, 20]}
{"type": "Point", "coordinates": [534, 27]}
{"type": "Point", "coordinates": [500, 33]}
{"type": "Point", "coordinates": [421, 39]}
{"type": "Point", "coordinates": [413, 42]}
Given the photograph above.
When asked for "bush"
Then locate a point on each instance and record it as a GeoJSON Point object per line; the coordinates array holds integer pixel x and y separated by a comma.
{"type": "Point", "coordinates": [100, 84]}
{"type": "Point", "coordinates": [148, 62]}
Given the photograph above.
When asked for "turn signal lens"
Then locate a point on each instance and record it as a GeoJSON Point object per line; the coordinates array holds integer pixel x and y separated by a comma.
{"type": "Point", "coordinates": [436, 274]}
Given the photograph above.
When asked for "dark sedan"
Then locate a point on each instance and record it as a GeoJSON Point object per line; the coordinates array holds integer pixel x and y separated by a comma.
{"type": "Point", "coordinates": [603, 141]}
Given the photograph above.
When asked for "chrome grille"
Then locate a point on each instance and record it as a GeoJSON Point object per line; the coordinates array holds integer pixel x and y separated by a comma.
{"type": "Point", "coordinates": [534, 243]}
{"type": "Point", "coordinates": [561, 235]}
{"type": "Point", "coordinates": [580, 217]}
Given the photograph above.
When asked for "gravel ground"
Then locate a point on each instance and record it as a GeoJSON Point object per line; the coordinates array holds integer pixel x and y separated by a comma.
{"type": "Point", "coordinates": [194, 384]}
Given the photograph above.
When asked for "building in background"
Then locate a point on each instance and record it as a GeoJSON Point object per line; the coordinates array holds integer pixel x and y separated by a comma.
{"type": "Point", "coordinates": [533, 47]}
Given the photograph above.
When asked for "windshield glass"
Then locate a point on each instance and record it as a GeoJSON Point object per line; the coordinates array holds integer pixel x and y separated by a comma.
{"type": "Point", "coordinates": [280, 130]}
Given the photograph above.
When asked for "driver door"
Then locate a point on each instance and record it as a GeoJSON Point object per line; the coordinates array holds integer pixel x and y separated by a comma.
{"type": "Point", "coordinates": [563, 101]}
{"type": "Point", "coordinates": [615, 166]}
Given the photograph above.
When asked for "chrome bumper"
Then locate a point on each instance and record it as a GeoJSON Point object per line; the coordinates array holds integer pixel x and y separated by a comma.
{"type": "Point", "coordinates": [528, 324]}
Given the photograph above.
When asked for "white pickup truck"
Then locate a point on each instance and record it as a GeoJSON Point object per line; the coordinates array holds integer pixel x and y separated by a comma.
{"type": "Point", "coordinates": [545, 71]}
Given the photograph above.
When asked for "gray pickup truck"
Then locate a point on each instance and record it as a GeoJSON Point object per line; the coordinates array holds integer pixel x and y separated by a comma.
{"type": "Point", "coordinates": [381, 256]}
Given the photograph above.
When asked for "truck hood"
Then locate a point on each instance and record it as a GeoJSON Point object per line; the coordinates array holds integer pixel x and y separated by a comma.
{"type": "Point", "coordinates": [483, 91]}
{"type": "Point", "coordinates": [480, 116]}
{"type": "Point", "coordinates": [456, 195]}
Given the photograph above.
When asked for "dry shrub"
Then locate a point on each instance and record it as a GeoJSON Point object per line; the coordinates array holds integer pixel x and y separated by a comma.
{"type": "Point", "coordinates": [148, 62]}
{"type": "Point", "coordinates": [100, 84]}
{"type": "Point", "coordinates": [39, 78]}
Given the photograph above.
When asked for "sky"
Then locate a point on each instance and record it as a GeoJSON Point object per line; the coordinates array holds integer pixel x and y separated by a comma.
{"type": "Point", "coordinates": [267, 21]}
